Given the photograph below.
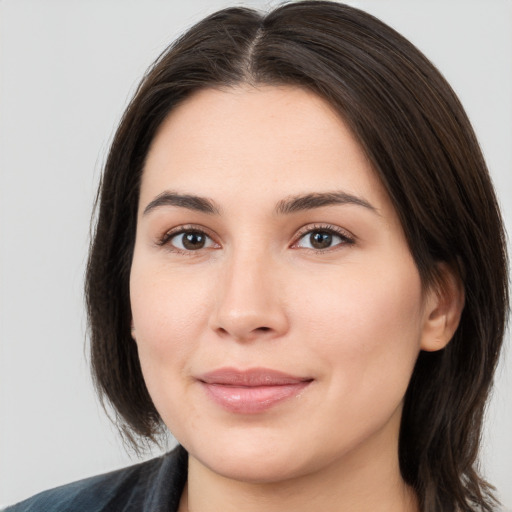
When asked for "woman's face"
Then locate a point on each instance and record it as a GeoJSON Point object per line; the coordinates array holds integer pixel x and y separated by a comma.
{"type": "Point", "coordinates": [277, 310]}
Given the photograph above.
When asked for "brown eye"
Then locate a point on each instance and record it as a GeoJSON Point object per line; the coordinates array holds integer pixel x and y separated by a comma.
{"type": "Point", "coordinates": [191, 240]}
{"type": "Point", "coordinates": [320, 239]}
{"type": "Point", "coordinates": [323, 239]}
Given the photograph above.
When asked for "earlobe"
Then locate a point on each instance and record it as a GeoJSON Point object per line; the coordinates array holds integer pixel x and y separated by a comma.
{"type": "Point", "coordinates": [132, 330]}
{"type": "Point", "coordinates": [443, 309]}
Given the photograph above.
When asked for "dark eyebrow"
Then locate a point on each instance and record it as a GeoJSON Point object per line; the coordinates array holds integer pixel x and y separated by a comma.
{"type": "Point", "coordinates": [317, 200]}
{"type": "Point", "coordinates": [191, 202]}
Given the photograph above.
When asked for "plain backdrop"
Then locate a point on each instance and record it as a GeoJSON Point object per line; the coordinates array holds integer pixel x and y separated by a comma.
{"type": "Point", "coordinates": [67, 69]}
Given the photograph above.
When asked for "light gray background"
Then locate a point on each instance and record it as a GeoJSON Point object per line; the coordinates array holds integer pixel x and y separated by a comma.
{"type": "Point", "coordinates": [67, 70]}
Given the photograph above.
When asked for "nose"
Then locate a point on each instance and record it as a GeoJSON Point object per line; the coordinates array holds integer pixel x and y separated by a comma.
{"type": "Point", "coordinates": [250, 301]}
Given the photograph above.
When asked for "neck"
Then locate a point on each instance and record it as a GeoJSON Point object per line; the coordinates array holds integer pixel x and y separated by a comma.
{"type": "Point", "coordinates": [300, 495]}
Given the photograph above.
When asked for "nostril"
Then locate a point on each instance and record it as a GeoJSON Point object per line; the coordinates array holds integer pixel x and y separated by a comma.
{"type": "Point", "coordinates": [263, 329]}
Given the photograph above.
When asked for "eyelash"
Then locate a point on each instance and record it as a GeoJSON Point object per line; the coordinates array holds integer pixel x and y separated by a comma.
{"type": "Point", "coordinates": [346, 238]}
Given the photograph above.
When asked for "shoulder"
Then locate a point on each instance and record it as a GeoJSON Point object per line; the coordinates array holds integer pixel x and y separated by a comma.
{"type": "Point", "coordinates": [155, 485]}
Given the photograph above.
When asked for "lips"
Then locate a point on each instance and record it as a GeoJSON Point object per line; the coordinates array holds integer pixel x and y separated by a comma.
{"type": "Point", "coordinates": [251, 391]}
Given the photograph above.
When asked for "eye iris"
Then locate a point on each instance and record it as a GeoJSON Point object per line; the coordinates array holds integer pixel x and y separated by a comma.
{"type": "Point", "coordinates": [320, 239]}
{"type": "Point", "coordinates": [193, 240]}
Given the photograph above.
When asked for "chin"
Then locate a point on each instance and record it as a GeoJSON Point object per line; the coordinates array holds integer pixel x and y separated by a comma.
{"type": "Point", "coordinates": [256, 470]}
{"type": "Point", "coordinates": [255, 462]}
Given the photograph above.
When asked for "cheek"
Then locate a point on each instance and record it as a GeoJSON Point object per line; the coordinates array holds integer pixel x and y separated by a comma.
{"type": "Point", "coordinates": [167, 314]}
{"type": "Point", "coordinates": [367, 323]}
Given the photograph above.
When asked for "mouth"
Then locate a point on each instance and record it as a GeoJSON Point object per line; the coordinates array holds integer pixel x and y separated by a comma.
{"type": "Point", "coordinates": [251, 391]}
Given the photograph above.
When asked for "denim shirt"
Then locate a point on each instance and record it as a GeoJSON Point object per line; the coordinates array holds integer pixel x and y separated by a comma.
{"type": "Point", "coordinates": [152, 486]}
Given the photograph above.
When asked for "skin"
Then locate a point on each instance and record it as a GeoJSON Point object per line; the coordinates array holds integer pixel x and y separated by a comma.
{"type": "Point", "coordinates": [352, 317]}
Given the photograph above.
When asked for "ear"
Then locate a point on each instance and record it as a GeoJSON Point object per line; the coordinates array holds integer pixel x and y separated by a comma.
{"type": "Point", "coordinates": [132, 329]}
{"type": "Point", "coordinates": [443, 308]}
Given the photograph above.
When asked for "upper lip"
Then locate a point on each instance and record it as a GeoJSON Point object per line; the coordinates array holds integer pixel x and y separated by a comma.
{"type": "Point", "coordinates": [253, 377]}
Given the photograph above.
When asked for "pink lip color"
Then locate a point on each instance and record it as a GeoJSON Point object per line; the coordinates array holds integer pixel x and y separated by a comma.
{"type": "Point", "coordinates": [251, 391]}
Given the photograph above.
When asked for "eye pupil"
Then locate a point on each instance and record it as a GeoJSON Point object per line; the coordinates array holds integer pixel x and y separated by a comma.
{"type": "Point", "coordinates": [320, 239]}
{"type": "Point", "coordinates": [193, 240]}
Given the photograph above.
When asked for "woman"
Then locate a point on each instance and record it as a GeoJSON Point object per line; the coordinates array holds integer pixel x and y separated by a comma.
{"type": "Point", "coordinates": [299, 270]}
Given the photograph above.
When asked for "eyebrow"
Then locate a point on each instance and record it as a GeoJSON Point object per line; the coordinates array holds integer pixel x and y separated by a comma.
{"type": "Point", "coordinates": [191, 202]}
{"type": "Point", "coordinates": [284, 207]}
{"type": "Point", "coordinates": [317, 200]}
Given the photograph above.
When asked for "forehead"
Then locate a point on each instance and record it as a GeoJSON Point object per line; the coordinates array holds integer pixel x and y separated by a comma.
{"type": "Point", "coordinates": [244, 140]}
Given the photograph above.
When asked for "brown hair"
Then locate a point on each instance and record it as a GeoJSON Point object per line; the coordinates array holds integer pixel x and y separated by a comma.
{"type": "Point", "coordinates": [421, 145]}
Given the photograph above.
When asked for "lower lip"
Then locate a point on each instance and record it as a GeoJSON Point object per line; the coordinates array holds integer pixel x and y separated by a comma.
{"type": "Point", "coordinates": [253, 399]}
